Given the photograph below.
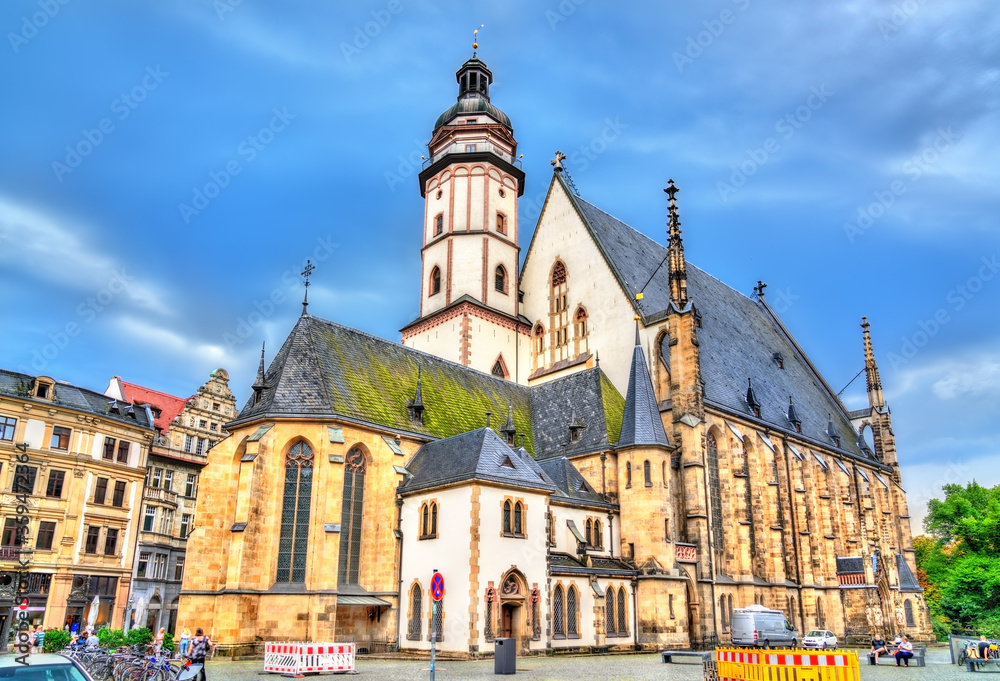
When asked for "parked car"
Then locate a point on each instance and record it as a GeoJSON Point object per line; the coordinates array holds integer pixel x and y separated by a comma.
{"type": "Point", "coordinates": [821, 639]}
{"type": "Point", "coordinates": [42, 667]}
{"type": "Point", "coordinates": [761, 627]}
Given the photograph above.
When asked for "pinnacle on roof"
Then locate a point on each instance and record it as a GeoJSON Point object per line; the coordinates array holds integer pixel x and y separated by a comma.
{"type": "Point", "coordinates": [793, 416]}
{"type": "Point", "coordinates": [872, 379]}
{"type": "Point", "coordinates": [416, 405]}
{"type": "Point", "coordinates": [675, 252]}
{"type": "Point", "coordinates": [752, 398]}
{"type": "Point", "coordinates": [641, 424]}
{"type": "Point", "coordinates": [508, 428]}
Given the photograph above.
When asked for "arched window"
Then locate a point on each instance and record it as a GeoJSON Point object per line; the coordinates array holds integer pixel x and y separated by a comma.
{"type": "Point", "coordinates": [558, 312]}
{"type": "Point", "coordinates": [590, 529]}
{"type": "Point", "coordinates": [628, 474]}
{"type": "Point", "coordinates": [491, 596]}
{"type": "Point", "coordinates": [500, 279]}
{"type": "Point", "coordinates": [791, 610]}
{"type": "Point", "coordinates": [723, 615]}
{"type": "Point", "coordinates": [437, 621]}
{"type": "Point", "coordinates": [715, 491]}
{"type": "Point", "coordinates": [609, 613]}
{"type": "Point", "coordinates": [435, 280]}
{"type": "Point", "coordinates": [581, 322]}
{"type": "Point", "coordinates": [501, 223]}
{"type": "Point", "coordinates": [908, 612]}
{"type": "Point", "coordinates": [598, 535]}
{"type": "Point", "coordinates": [434, 519]}
{"type": "Point", "coordinates": [500, 368]}
{"type": "Point", "coordinates": [558, 630]}
{"type": "Point", "coordinates": [425, 518]}
{"type": "Point", "coordinates": [729, 603]}
{"type": "Point", "coordinates": [506, 517]}
{"type": "Point", "coordinates": [622, 613]}
{"type": "Point", "coordinates": [646, 476]}
{"type": "Point", "coordinates": [539, 345]}
{"type": "Point", "coordinates": [558, 274]}
{"type": "Point", "coordinates": [294, 536]}
{"type": "Point", "coordinates": [571, 599]}
{"type": "Point", "coordinates": [351, 514]}
{"type": "Point", "coordinates": [438, 223]}
{"type": "Point", "coordinates": [518, 510]}
{"type": "Point", "coordinates": [416, 604]}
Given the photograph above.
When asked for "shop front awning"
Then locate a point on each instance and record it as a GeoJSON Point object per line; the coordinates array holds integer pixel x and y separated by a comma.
{"type": "Point", "coordinates": [370, 601]}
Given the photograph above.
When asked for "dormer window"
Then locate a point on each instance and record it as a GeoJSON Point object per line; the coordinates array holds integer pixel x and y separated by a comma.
{"type": "Point", "coordinates": [470, 121]}
{"type": "Point", "coordinates": [779, 361]}
{"type": "Point", "coordinates": [470, 148]}
{"type": "Point", "coordinates": [43, 388]}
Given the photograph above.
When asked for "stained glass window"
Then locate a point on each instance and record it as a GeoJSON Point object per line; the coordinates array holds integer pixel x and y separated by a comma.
{"type": "Point", "coordinates": [416, 604]}
{"type": "Point", "coordinates": [294, 535]}
{"type": "Point", "coordinates": [517, 518]}
{"type": "Point", "coordinates": [571, 599]}
{"type": "Point", "coordinates": [557, 612]}
{"type": "Point", "coordinates": [716, 494]}
{"type": "Point", "coordinates": [350, 519]}
{"type": "Point", "coordinates": [622, 613]}
{"type": "Point", "coordinates": [609, 613]}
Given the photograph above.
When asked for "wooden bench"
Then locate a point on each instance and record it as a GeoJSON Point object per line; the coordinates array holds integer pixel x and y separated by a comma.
{"type": "Point", "coordinates": [916, 661]}
{"type": "Point", "coordinates": [975, 664]}
{"type": "Point", "coordinates": [668, 655]}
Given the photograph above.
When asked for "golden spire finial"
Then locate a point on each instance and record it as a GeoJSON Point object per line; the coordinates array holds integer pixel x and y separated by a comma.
{"type": "Point", "coordinates": [475, 40]}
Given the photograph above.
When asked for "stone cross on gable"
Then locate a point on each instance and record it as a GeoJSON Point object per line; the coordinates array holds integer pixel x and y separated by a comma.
{"type": "Point", "coordinates": [759, 288]}
{"type": "Point", "coordinates": [557, 161]}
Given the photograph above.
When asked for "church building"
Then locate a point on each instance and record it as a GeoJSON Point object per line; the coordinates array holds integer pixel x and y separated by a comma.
{"type": "Point", "coordinates": [607, 448]}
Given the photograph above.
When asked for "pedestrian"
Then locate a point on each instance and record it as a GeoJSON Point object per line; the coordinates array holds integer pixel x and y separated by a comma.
{"type": "Point", "coordinates": [200, 646]}
{"type": "Point", "coordinates": [904, 652]}
{"type": "Point", "coordinates": [158, 640]}
{"type": "Point", "coordinates": [185, 639]}
{"type": "Point", "coordinates": [984, 647]}
{"type": "Point", "coordinates": [878, 646]}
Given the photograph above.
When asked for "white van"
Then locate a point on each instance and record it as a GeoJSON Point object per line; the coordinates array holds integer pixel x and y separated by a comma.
{"type": "Point", "coordinates": [760, 627]}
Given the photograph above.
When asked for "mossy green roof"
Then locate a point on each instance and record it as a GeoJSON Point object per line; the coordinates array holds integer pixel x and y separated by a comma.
{"type": "Point", "coordinates": [327, 370]}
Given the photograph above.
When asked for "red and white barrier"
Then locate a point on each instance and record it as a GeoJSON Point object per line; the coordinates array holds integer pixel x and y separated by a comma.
{"type": "Point", "coordinates": [308, 658]}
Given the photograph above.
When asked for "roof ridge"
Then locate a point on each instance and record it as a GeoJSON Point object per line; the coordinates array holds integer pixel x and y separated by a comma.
{"type": "Point", "coordinates": [152, 390]}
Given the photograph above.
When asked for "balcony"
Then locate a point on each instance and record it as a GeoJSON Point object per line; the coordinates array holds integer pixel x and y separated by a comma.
{"type": "Point", "coordinates": [159, 494]}
{"type": "Point", "coordinates": [458, 147]}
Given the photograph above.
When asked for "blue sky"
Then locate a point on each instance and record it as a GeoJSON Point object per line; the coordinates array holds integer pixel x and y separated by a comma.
{"type": "Point", "coordinates": [844, 153]}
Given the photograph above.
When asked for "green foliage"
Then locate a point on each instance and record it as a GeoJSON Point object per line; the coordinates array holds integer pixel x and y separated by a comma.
{"type": "Point", "coordinates": [55, 640]}
{"type": "Point", "coordinates": [138, 636]}
{"type": "Point", "coordinates": [959, 563]}
{"type": "Point", "coordinates": [111, 638]}
{"type": "Point", "coordinates": [168, 642]}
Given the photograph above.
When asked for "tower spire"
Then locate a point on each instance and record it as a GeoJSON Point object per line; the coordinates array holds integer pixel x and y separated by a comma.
{"type": "Point", "coordinates": [259, 385]}
{"type": "Point", "coordinates": [872, 379]}
{"type": "Point", "coordinates": [305, 273]}
{"type": "Point", "coordinates": [675, 252]}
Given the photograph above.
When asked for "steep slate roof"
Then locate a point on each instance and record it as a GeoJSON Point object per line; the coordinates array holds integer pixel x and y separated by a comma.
{"type": "Point", "coordinates": [641, 424]}
{"type": "Point", "coordinates": [737, 339]}
{"type": "Point", "coordinates": [850, 565]}
{"type": "Point", "coordinates": [478, 455]}
{"type": "Point", "coordinates": [590, 396]}
{"type": "Point", "coordinates": [170, 407]}
{"type": "Point", "coordinates": [570, 485]}
{"type": "Point", "coordinates": [73, 397]}
{"type": "Point", "coordinates": [907, 582]}
{"type": "Point", "coordinates": [326, 369]}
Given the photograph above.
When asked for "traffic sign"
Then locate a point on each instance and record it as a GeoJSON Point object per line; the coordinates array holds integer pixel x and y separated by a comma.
{"type": "Point", "coordinates": [437, 586]}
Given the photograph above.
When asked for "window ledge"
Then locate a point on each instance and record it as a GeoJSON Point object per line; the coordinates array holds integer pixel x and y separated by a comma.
{"type": "Point", "coordinates": [427, 536]}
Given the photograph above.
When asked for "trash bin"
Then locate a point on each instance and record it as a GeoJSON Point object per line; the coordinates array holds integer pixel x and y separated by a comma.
{"type": "Point", "coordinates": [505, 658]}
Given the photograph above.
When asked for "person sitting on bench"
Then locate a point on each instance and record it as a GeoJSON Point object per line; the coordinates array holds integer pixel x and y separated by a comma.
{"type": "Point", "coordinates": [878, 646]}
{"type": "Point", "coordinates": [904, 652]}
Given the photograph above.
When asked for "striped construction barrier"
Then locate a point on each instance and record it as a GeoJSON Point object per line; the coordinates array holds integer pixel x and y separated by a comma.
{"type": "Point", "coordinates": [295, 659]}
{"type": "Point", "coordinates": [734, 664]}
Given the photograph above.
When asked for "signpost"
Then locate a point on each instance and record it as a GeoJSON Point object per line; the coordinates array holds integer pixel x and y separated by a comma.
{"type": "Point", "coordinates": [437, 592]}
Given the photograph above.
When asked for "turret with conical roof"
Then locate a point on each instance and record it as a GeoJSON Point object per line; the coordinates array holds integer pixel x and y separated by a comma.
{"type": "Point", "coordinates": [641, 424]}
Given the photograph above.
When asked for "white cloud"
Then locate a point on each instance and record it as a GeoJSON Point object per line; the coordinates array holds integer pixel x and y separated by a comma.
{"type": "Point", "coordinates": [48, 248]}
{"type": "Point", "coordinates": [164, 340]}
{"type": "Point", "coordinates": [924, 481]}
{"type": "Point", "coordinates": [970, 380]}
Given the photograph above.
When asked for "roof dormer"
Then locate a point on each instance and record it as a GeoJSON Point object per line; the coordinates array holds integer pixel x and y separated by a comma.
{"type": "Point", "coordinates": [44, 388]}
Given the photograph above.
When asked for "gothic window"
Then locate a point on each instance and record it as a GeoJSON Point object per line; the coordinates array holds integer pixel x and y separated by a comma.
{"type": "Point", "coordinates": [908, 613]}
{"type": "Point", "coordinates": [558, 312]}
{"type": "Point", "coordinates": [590, 529]}
{"type": "Point", "coordinates": [646, 476]}
{"type": "Point", "coordinates": [558, 628]}
{"type": "Point", "coordinates": [491, 596]}
{"type": "Point", "coordinates": [506, 517]}
{"type": "Point", "coordinates": [518, 511]}
{"type": "Point", "coordinates": [538, 347]}
{"type": "Point", "coordinates": [500, 279]}
{"type": "Point", "coordinates": [350, 519]}
{"type": "Point", "coordinates": [622, 613]}
{"type": "Point", "coordinates": [434, 519]}
{"type": "Point", "coordinates": [536, 618]}
{"type": "Point", "coordinates": [581, 322]}
{"type": "Point", "coordinates": [628, 475]}
{"type": "Point", "coordinates": [416, 605]}
{"type": "Point", "coordinates": [598, 535]}
{"type": "Point", "coordinates": [715, 491]}
{"type": "Point", "coordinates": [723, 614]}
{"type": "Point", "coordinates": [571, 603]}
{"type": "Point", "coordinates": [558, 274]}
{"type": "Point", "coordinates": [437, 620]}
{"type": "Point", "coordinates": [435, 280]}
{"type": "Point", "coordinates": [438, 224]}
{"type": "Point", "coordinates": [428, 520]}
{"type": "Point", "coordinates": [425, 518]}
{"type": "Point", "coordinates": [501, 223]}
{"type": "Point", "coordinates": [609, 613]}
{"type": "Point", "coordinates": [294, 535]}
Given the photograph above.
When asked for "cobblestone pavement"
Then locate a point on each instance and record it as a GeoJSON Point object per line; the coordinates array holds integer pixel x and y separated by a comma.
{"type": "Point", "coordinates": [610, 668]}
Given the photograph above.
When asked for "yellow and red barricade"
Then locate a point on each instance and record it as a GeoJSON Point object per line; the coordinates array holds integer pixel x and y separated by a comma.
{"type": "Point", "coordinates": [741, 664]}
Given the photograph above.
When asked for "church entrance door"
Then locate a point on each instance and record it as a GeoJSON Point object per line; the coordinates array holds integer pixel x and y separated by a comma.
{"type": "Point", "coordinates": [508, 618]}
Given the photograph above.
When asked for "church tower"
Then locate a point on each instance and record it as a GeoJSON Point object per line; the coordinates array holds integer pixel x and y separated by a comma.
{"type": "Point", "coordinates": [471, 182]}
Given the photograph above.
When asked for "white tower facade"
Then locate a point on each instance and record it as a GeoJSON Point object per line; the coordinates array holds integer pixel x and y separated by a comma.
{"type": "Point", "coordinates": [471, 183]}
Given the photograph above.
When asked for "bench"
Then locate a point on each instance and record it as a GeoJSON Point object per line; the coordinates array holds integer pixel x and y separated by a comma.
{"type": "Point", "coordinates": [975, 664]}
{"type": "Point", "coordinates": [916, 661]}
{"type": "Point", "coordinates": [668, 655]}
